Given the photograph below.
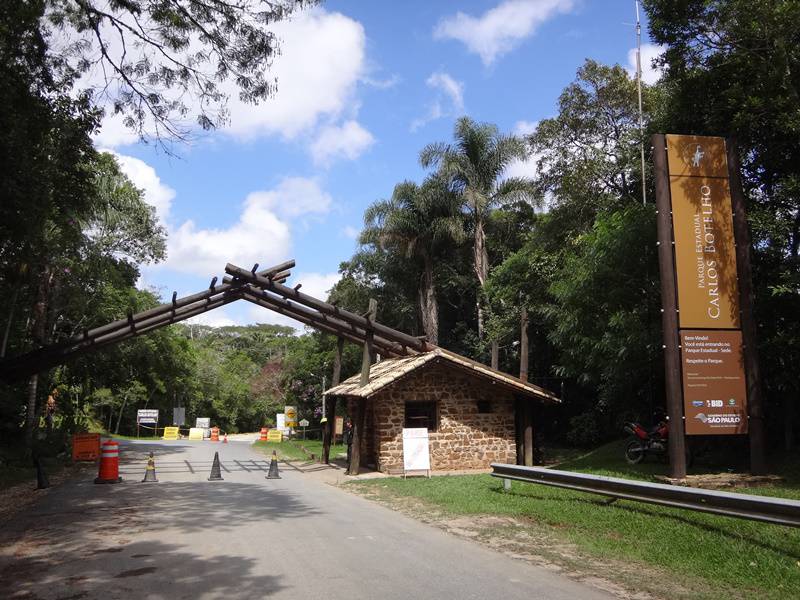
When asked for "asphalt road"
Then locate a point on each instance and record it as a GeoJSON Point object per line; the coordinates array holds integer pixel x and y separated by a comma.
{"type": "Point", "coordinates": [244, 537]}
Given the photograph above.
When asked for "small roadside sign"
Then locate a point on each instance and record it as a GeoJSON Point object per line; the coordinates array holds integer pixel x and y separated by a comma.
{"type": "Point", "coordinates": [147, 415]}
{"type": "Point", "coordinates": [203, 422]}
{"type": "Point", "coordinates": [304, 423]}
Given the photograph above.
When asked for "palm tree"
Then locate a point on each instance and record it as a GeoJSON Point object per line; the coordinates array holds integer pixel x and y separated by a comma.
{"type": "Point", "coordinates": [417, 222]}
{"type": "Point", "coordinates": [474, 165]}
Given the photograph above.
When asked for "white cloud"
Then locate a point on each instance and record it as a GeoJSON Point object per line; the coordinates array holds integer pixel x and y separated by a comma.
{"type": "Point", "coordinates": [144, 176]}
{"type": "Point", "coordinates": [523, 128]}
{"type": "Point", "coordinates": [214, 318]}
{"type": "Point", "coordinates": [452, 88]}
{"type": "Point", "coordinates": [262, 233]}
{"type": "Point", "coordinates": [348, 141]}
{"type": "Point", "coordinates": [113, 133]}
{"type": "Point", "coordinates": [293, 197]}
{"type": "Point", "coordinates": [501, 28]}
{"type": "Point", "coordinates": [350, 232]}
{"type": "Point", "coordinates": [447, 88]}
{"type": "Point", "coordinates": [650, 52]}
{"type": "Point", "coordinates": [382, 84]}
{"type": "Point", "coordinates": [316, 284]}
{"type": "Point", "coordinates": [322, 59]}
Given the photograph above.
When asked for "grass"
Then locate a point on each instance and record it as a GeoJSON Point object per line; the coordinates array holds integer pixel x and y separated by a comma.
{"type": "Point", "coordinates": [293, 449]}
{"type": "Point", "coordinates": [728, 557]}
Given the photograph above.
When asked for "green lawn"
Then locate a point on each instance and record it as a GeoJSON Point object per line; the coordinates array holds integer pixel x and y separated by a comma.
{"type": "Point", "coordinates": [727, 557]}
{"type": "Point", "coordinates": [292, 449]}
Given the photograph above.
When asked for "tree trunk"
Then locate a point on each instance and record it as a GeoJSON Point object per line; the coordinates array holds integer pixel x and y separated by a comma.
{"type": "Point", "coordinates": [481, 258]}
{"type": "Point", "coordinates": [428, 305]}
{"type": "Point", "coordinates": [788, 422]}
{"type": "Point", "coordinates": [10, 320]}
{"type": "Point", "coordinates": [38, 330]}
{"type": "Point", "coordinates": [121, 410]}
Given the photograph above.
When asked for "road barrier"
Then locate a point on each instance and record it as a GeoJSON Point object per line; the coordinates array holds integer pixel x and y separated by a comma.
{"type": "Point", "coordinates": [264, 433]}
{"type": "Point", "coordinates": [215, 434]}
{"type": "Point", "coordinates": [170, 433]}
{"type": "Point", "coordinates": [216, 473]}
{"type": "Point", "coordinates": [196, 434]}
{"type": "Point", "coordinates": [109, 463]}
{"type": "Point", "coordinates": [85, 446]}
{"type": "Point", "coordinates": [275, 435]}
{"type": "Point", "coordinates": [744, 506]}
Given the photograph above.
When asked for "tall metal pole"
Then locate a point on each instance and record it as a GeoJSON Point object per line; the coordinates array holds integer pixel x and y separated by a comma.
{"type": "Point", "coordinates": [639, 89]}
{"type": "Point", "coordinates": [669, 311]}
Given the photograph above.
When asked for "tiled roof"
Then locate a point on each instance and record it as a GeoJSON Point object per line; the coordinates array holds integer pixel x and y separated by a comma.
{"type": "Point", "coordinates": [389, 370]}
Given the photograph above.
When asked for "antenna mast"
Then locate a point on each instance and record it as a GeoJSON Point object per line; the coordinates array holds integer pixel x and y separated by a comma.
{"type": "Point", "coordinates": [639, 88]}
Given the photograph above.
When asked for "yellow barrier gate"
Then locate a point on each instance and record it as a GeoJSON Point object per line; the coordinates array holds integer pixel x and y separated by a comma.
{"type": "Point", "coordinates": [170, 433]}
{"type": "Point", "coordinates": [196, 433]}
{"type": "Point", "coordinates": [274, 435]}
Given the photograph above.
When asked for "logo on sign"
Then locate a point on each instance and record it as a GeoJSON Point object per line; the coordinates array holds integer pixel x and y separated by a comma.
{"type": "Point", "coordinates": [697, 403]}
{"type": "Point", "coordinates": [698, 155]}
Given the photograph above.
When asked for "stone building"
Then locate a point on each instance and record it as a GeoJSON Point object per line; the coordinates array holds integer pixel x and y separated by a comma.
{"type": "Point", "coordinates": [474, 415]}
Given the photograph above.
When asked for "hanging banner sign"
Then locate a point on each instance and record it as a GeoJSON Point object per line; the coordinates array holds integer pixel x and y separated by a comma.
{"type": "Point", "coordinates": [714, 385]}
{"type": "Point", "coordinates": [702, 221]}
{"type": "Point", "coordinates": [147, 415]}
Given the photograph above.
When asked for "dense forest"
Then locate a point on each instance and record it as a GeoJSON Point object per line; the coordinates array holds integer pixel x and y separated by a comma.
{"type": "Point", "coordinates": [466, 256]}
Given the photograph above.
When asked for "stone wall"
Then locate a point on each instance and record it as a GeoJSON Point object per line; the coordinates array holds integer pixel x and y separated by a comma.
{"type": "Point", "coordinates": [464, 439]}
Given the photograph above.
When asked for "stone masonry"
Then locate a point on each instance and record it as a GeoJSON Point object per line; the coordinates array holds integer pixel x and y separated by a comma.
{"type": "Point", "coordinates": [464, 438]}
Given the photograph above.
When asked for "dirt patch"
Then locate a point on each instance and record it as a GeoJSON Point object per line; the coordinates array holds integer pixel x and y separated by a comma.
{"type": "Point", "coordinates": [18, 497]}
{"type": "Point", "coordinates": [546, 547]}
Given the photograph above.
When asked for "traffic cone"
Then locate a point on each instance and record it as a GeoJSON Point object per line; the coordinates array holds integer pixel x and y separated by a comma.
{"type": "Point", "coordinates": [273, 467]}
{"type": "Point", "coordinates": [225, 439]}
{"type": "Point", "coordinates": [41, 477]}
{"type": "Point", "coordinates": [216, 474]}
{"type": "Point", "coordinates": [150, 471]}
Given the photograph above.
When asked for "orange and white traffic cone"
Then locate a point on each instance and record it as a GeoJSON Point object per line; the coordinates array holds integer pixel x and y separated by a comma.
{"type": "Point", "coordinates": [109, 463]}
{"type": "Point", "coordinates": [225, 439]}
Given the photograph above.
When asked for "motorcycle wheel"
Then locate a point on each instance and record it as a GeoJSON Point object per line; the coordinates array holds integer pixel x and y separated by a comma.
{"type": "Point", "coordinates": [634, 453]}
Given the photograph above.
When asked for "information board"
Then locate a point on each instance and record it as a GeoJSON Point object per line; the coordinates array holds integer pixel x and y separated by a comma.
{"type": "Point", "coordinates": [714, 386]}
{"type": "Point", "coordinates": [203, 422]}
{"type": "Point", "coordinates": [178, 416]}
{"type": "Point", "coordinates": [338, 426]}
{"type": "Point", "coordinates": [147, 415]}
{"type": "Point", "coordinates": [416, 455]}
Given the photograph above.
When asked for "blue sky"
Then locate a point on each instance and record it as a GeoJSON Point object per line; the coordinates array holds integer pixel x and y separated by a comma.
{"type": "Point", "coordinates": [362, 87]}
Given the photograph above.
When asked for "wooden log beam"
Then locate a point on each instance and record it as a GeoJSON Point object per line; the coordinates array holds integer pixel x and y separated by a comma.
{"type": "Point", "coordinates": [315, 318]}
{"type": "Point", "coordinates": [328, 309]}
{"type": "Point", "coordinates": [133, 320]}
{"type": "Point", "coordinates": [327, 326]}
{"type": "Point", "coordinates": [50, 356]}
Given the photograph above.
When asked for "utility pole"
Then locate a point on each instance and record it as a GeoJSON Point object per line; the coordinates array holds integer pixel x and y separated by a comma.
{"type": "Point", "coordinates": [639, 89]}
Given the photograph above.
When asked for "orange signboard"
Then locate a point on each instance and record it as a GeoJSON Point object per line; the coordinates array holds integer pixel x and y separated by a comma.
{"type": "Point", "coordinates": [85, 446]}
{"type": "Point", "coordinates": [714, 385]}
{"type": "Point", "coordinates": [702, 221]}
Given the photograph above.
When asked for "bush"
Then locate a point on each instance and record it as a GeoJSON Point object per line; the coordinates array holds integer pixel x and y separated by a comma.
{"type": "Point", "coordinates": [584, 430]}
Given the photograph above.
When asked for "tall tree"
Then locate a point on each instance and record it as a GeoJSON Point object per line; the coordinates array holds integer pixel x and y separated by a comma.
{"type": "Point", "coordinates": [474, 164]}
{"type": "Point", "coordinates": [417, 222]}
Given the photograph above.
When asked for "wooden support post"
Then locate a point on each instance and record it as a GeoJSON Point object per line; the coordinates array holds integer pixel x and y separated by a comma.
{"type": "Point", "coordinates": [528, 432]}
{"type": "Point", "coordinates": [523, 344]}
{"type": "Point", "coordinates": [669, 311]}
{"type": "Point", "coordinates": [518, 430]}
{"type": "Point", "coordinates": [329, 431]}
{"type": "Point", "coordinates": [755, 406]}
{"type": "Point", "coordinates": [366, 360]}
{"type": "Point", "coordinates": [495, 356]}
{"type": "Point", "coordinates": [358, 434]}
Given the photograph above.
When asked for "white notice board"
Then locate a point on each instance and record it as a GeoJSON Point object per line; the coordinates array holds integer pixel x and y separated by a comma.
{"type": "Point", "coordinates": [416, 456]}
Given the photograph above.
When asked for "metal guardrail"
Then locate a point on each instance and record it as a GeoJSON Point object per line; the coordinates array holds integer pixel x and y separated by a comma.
{"type": "Point", "coordinates": [744, 506]}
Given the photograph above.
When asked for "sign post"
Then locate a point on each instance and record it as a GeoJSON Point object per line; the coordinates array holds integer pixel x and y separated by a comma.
{"type": "Point", "coordinates": [708, 367]}
{"type": "Point", "coordinates": [146, 415]}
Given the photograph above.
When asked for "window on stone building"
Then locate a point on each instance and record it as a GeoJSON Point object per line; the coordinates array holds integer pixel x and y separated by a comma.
{"type": "Point", "coordinates": [484, 406]}
{"type": "Point", "coordinates": [421, 414]}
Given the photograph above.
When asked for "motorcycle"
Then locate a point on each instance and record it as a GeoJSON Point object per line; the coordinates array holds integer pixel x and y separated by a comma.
{"type": "Point", "coordinates": [655, 442]}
